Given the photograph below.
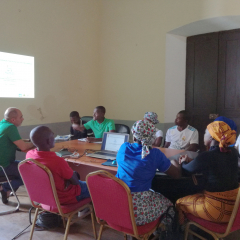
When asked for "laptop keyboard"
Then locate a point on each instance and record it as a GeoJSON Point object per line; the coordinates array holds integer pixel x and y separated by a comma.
{"type": "Point", "coordinates": [106, 154]}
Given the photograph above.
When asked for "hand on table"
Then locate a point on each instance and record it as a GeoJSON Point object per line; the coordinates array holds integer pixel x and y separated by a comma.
{"type": "Point", "coordinates": [90, 139]}
{"type": "Point", "coordinates": [184, 158]}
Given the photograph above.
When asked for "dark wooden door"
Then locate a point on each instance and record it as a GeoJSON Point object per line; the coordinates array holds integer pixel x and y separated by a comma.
{"type": "Point", "coordinates": [213, 78]}
{"type": "Point", "coordinates": [228, 103]}
{"type": "Point", "coordinates": [201, 80]}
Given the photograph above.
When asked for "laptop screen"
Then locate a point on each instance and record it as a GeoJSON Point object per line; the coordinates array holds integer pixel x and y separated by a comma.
{"type": "Point", "coordinates": [113, 141]}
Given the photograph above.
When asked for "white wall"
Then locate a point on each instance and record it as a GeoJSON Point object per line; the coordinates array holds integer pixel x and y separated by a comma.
{"type": "Point", "coordinates": [64, 39]}
{"type": "Point", "coordinates": [175, 76]}
{"type": "Point", "coordinates": [116, 53]}
{"type": "Point", "coordinates": [142, 65]}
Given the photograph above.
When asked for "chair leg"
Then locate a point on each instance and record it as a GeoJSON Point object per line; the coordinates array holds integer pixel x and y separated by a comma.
{"type": "Point", "coordinates": [93, 222]}
{"type": "Point", "coordinates": [196, 234]}
{"type": "Point", "coordinates": [17, 208]}
{"type": "Point", "coordinates": [125, 236]}
{"type": "Point", "coordinates": [64, 223]}
{"type": "Point", "coordinates": [67, 228]}
{"type": "Point", "coordinates": [100, 232]}
{"type": "Point", "coordinates": [34, 222]}
{"type": "Point", "coordinates": [186, 231]}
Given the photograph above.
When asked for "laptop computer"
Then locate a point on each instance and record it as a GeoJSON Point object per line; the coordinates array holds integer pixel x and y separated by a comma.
{"type": "Point", "coordinates": [111, 143]}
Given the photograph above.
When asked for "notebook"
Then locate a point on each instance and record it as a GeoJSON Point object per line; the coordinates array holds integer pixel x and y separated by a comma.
{"type": "Point", "coordinates": [64, 153]}
{"type": "Point", "coordinates": [111, 143]}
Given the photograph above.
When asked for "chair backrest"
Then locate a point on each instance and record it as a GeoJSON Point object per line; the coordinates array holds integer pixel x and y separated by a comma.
{"type": "Point", "coordinates": [86, 119]}
{"type": "Point", "coordinates": [121, 128]}
{"type": "Point", "coordinates": [39, 183]}
{"type": "Point", "coordinates": [111, 199]}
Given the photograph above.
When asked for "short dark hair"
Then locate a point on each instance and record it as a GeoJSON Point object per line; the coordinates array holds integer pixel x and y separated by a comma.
{"type": "Point", "coordinates": [185, 115]}
{"type": "Point", "coordinates": [74, 114]}
{"type": "Point", "coordinates": [101, 108]}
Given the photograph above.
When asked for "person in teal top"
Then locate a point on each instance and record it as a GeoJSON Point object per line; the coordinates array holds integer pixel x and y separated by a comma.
{"type": "Point", "coordinates": [99, 124]}
{"type": "Point", "coordinates": [9, 141]}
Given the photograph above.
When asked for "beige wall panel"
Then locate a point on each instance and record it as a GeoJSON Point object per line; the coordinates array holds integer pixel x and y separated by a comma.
{"type": "Point", "coordinates": [134, 51]}
{"type": "Point", "coordinates": [63, 38]}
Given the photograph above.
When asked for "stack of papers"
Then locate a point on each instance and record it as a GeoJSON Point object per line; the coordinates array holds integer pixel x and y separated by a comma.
{"type": "Point", "coordinates": [84, 140]}
{"type": "Point", "coordinates": [63, 137]}
{"type": "Point", "coordinates": [66, 154]}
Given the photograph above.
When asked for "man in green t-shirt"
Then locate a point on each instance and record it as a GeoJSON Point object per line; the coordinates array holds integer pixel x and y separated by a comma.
{"type": "Point", "coordinates": [9, 141]}
{"type": "Point", "coordinates": [99, 125]}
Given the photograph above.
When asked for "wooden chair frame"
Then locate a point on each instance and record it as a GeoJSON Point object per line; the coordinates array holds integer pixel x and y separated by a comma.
{"type": "Point", "coordinates": [215, 235]}
{"type": "Point", "coordinates": [104, 223]}
{"type": "Point", "coordinates": [69, 215]}
{"type": "Point", "coordinates": [14, 193]}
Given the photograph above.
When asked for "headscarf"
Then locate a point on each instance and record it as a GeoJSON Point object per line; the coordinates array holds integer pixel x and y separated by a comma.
{"type": "Point", "coordinates": [228, 121]}
{"type": "Point", "coordinates": [222, 133]}
{"type": "Point", "coordinates": [144, 132]}
{"type": "Point", "coordinates": [152, 116]}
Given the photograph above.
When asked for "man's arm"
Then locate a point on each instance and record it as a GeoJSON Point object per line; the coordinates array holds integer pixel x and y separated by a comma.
{"type": "Point", "coordinates": [167, 144]}
{"type": "Point", "coordinates": [157, 142]}
{"type": "Point", "coordinates": [74, 179]}
{"type": "Point", "coordinates": [78, 127]}
{"type": "Point", "coordinates": [192, 147]}
{"type": "Point", "coordinates": [174, 170]}
{"type": "Point", "coordinates": [193, 142]}
{"type": "Point", "coordinates": [23, 146]}
{"type": "Point", "coordinates": [92, 139]}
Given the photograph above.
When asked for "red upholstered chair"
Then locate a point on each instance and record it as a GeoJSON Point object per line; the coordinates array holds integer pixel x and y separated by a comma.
{"type": "Point", "coordinates": [112, 202]}
{"type": "Point", "coordinates": [41, 189]}
{"type": "Point", "coordinates": [217, 230]}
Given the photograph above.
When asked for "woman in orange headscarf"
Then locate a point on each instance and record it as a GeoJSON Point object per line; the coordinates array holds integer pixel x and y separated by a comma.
{"type": "Point", "coordinates": [219, 167]}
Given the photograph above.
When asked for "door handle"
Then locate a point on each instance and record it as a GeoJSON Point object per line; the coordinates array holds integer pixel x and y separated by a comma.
{"type": "Point", "coordinates": [213, 115]}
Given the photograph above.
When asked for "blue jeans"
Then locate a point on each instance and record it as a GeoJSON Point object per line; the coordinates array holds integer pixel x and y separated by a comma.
{"type": "Point", "coordinates": [12, 170]}
{"type": "Point", "coordinates": [84, 191]}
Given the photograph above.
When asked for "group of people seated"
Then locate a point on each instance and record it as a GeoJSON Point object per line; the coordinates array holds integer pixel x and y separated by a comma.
{"type": "Point", "coordinates": [137, 162]}
{"type": "Point", "coordinates": [180, 136]}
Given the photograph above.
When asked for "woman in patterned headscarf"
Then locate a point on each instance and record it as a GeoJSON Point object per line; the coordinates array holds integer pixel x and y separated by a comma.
{"type": "Point", "coordinates": [137, 164]}
{"type": "Point", "coordinates": [152, 117]}
{"type": "Point", "coordinates": [220, 171]}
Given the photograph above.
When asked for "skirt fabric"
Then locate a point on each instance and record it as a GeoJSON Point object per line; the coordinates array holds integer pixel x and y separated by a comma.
{"type": "Point", "coordinates": [211, 206]}
{"type": "Point", "coordinates": [148, 206]}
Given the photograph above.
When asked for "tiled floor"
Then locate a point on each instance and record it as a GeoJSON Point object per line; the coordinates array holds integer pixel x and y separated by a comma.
{"type": "Point", "coordinates": [12, 224]}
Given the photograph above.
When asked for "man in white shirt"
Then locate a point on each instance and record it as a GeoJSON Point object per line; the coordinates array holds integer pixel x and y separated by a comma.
{"type": "Point", "coordinates": [182, 136]}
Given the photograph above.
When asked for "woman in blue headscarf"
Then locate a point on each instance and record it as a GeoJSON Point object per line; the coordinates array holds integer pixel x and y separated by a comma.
{"type": "Point", "coordinates": [219, 169]}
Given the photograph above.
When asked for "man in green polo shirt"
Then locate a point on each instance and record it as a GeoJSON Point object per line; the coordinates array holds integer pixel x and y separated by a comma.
{"type": "Point", "coordinates": [99, 124]}
{"type": "Point", "coordinates": [9, 141]}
